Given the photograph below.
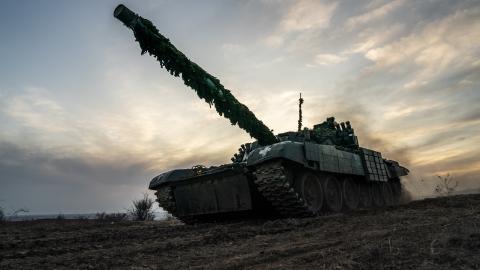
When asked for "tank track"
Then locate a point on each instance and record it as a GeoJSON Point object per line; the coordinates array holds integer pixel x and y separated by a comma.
{"type": "Point", "coordinates": [166, 200]}
{"type": "Point", "coordinates": [272, 183]}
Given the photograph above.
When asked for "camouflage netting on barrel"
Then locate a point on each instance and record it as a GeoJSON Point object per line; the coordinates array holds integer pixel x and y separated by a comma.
{"type": "Point", "coordinates": [205, 85]}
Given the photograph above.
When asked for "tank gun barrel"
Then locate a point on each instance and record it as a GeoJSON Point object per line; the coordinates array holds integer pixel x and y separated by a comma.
{"type": "Point", "coordinates": [205, 85]}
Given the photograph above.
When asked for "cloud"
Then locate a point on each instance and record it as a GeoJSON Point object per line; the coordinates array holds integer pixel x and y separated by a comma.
{"type": "Point", "coordinates": [402, 109]}
{"type": "Point", "coordinates": [230, 48]}
{"type": "Point", "coordinates": [374, 14]}
{"type": "Point", "coordinates": [304, 15]}
{"type": "Point", "coordinates": [42, 180]}
{"type": "Point", "coordinates": [329, 59]}
{"type": "Point", "coordinates": [35, 108]}
{"type": "Point", "coordinates": [55, 181]}
{"type": "Point", "coordinates": [370, 38]}
{"type": "Point", "coordinates": [448, 44]}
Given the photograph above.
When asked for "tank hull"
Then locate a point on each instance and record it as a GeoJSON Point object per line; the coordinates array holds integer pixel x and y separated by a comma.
{"type": "Point", "coordinates": [268, 183]}
{"type": "Point", "coordinates": [227, 191]}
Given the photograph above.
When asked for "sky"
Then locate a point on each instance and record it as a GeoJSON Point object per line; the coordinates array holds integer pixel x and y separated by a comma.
{"type": "Point", "coordinates": [86, 121]}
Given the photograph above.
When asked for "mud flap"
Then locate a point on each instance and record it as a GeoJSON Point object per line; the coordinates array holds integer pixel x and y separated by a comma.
{"type": "Point", "coordinates": [225, 193]}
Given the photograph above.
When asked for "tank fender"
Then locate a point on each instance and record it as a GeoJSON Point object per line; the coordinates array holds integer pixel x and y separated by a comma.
{"type": "Point", "coordinates": [170, 176]}
{"type": "Point", "coordinates": [289, 150]}
{"type": "Point", "coordinates": [395, 169]}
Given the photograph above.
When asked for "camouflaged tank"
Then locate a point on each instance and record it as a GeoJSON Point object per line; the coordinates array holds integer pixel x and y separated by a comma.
{"type": "Point", "coordinates": [292, 174]}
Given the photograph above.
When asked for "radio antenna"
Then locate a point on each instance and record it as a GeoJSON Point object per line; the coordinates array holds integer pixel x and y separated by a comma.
{"type": "Point", "coordinates": [300, 102]}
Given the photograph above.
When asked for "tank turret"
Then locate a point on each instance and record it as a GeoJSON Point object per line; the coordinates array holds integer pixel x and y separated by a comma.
{"type": "Point", "coordinates": [331, 132]}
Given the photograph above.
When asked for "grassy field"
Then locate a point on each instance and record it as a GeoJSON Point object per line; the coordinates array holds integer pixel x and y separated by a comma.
{"type": "Point", "coordinates": [442, 233]}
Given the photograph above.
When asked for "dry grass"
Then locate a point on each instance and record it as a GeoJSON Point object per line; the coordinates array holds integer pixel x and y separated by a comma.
{"type": "Point", "coordinates": [142, 209]}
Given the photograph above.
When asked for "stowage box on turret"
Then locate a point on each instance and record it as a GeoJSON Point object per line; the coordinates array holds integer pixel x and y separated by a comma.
{"type": "Point", "coordinates": [292, 174]}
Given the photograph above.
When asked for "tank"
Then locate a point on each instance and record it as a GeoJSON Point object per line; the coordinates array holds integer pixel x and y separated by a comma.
{"type": "Point", "coordinates": [307, 172]}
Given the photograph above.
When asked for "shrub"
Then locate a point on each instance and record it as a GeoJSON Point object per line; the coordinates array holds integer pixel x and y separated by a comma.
{"type": "Point", "coordinates": [2, 215]}
{"type": "Point", "coordinates": [142, 209]}
{"type": "Point", "coordinates": [446, 185]}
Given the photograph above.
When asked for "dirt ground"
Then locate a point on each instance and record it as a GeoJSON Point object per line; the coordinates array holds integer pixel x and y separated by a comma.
{"type": "Point", "coordinates": [441, 233]}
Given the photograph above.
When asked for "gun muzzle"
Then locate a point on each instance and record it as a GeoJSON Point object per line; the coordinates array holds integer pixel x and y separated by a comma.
{"type": "Point", "coordinates": [125, 15]}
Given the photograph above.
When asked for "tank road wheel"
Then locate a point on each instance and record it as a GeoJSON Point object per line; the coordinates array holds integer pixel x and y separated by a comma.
{"type": "Point", "coordinates": [350, 194]}
{"type": "Point", "coordinates": [310, 190]}
{"type": "Point", "coordinates": [333, 194]}
{"type": "Point", "coordinates": [377, 197]}
{"type": "Point", "coordinates": [387, 194]}
{"type": "Point", "coordinates": [365, 195]}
